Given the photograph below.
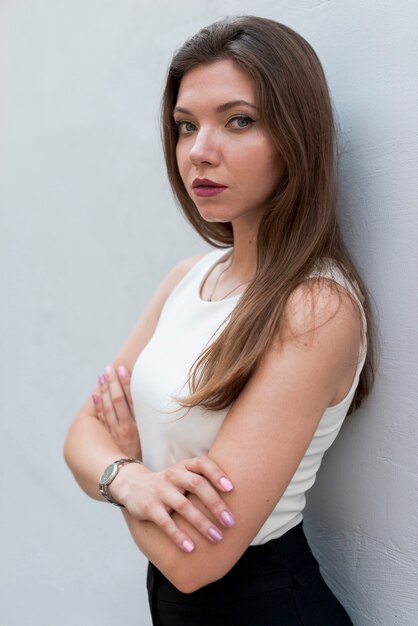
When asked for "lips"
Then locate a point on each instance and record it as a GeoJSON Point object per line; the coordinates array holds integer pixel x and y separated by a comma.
{"type": "Point", "coordinates": [205, 183]}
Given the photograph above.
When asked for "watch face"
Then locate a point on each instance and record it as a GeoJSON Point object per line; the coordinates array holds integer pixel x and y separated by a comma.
{"type": "Point", "coordinates": [109, 474]}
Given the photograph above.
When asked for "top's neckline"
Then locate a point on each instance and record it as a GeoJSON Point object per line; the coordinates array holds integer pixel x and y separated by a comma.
{"type": "Point", "coordinates": [202, 282]}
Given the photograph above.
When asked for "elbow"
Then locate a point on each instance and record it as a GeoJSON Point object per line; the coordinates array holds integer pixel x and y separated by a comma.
{"type": "Point", "coordinates": [191, 572]}
{"type": "Point", "coordinates": [180, 575]}
{"type": "Point", "coordinates": [189, 579]}
{"type": "Point", "coordinates": [66, 450]}
{"type": "Point", "coordinates": [69, 449]}
{"type": "Point", "coordinates": [185, 584]}
{"type": "Point", "coordinates": [189, 585]}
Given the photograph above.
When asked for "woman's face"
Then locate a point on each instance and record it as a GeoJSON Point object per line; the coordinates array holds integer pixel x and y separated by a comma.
{"type": "Point", "coordinates": [222, 139]}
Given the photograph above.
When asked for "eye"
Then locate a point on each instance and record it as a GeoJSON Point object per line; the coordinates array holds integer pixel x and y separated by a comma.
{"type": "Point", "coordinates": [184, 127]}
{"type": "Point", "coordinates": [242, 121]}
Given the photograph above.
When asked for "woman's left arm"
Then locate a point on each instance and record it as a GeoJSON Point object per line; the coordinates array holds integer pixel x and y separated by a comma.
{"type": "Point", "coordinates": [267, 432]}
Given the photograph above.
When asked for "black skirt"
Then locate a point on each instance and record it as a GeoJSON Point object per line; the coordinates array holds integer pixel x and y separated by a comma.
{"type": "Point", "coordinates": [275, 583]}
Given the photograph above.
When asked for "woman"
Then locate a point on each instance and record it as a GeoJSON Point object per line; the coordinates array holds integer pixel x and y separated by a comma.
{"type": "Point", "coordinates": [248, 358]}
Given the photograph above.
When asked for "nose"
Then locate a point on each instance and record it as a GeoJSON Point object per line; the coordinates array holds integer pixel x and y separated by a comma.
{"type": "Point", "coordinates": [205, 148]}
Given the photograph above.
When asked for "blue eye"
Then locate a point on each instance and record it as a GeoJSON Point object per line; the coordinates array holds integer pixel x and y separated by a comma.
{"type": "Point", "coordinates": [243, 121]}
{"type": "Point", "coordinates": [184, 126]}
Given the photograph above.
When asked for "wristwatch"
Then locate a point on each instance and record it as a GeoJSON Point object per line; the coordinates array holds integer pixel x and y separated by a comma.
{"type": "Point", "coordinates": [109, 476]}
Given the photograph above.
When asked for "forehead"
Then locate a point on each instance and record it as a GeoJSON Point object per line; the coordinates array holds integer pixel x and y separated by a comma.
{"type": "Point", "coordinates": [214, 82]}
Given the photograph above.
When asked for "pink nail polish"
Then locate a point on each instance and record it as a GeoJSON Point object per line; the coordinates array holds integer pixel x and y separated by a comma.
{"type": "Point", "coordinates": [227, 518]}
{"type": "Point", "coordinates": [95, 399]}
{"type": "Point", "coordinates": [102, 379]}
{"type": "Point", "coordinates": [215, 534]}
{"type": "Point", "coordinates": [122, 371]}
{"type": "Point", "coordinates": [226, 484]}
{"type": "Point", "coordinates": [187, 545]}
{"type": "Point", "coordinates": [109, 370]}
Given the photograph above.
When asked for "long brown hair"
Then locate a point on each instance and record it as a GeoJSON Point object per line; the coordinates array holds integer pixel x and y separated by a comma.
{"type": "Point", "coordinates": [299, 226]}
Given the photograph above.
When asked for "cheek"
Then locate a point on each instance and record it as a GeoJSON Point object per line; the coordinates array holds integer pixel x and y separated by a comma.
{"type": "Point", "coordinates": [264, 166]}
{"type": "Point", "coordinates": [182, 158]}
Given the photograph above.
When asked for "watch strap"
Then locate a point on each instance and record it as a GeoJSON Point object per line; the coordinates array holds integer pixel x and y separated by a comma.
{"type": "Point", "coordinates": [104, 486]}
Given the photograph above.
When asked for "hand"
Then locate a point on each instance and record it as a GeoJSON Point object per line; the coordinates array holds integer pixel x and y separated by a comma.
{"type": "Point", "coordinates": [115, 410]}
{"type": "Point", "coordinates": [147, 495]}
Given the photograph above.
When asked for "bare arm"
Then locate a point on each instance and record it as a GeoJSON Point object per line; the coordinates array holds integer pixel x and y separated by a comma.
{"type": "Point", "coordinates": [148, 495]}
{"type": "Point", "coordinates": [89, 447]}
{"type": "Point", "coordinates": [265, 435]}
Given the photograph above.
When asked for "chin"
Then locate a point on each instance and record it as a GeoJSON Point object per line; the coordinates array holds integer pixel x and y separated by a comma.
{"type": "Point", "coordinates": [210, 217]}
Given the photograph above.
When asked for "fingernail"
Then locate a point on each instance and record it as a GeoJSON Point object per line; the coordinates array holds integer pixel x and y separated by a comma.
{"type": "Point", "coordinates": [227, 518]}
{"type": "Point", "coordinates": [215, 534]}
{"type": "Point", "coordinates": [122, 371]}
{"type": "Point", "coordinates": [187, 545]}
{"type": "Point", "coordinates": [95, 399]}
{"type": "Point", "coordinates": [102, 379]}
{"type": "Point", "coordinates": [226, 484]}
{"type": "Point", "coordinates": [109, 370]}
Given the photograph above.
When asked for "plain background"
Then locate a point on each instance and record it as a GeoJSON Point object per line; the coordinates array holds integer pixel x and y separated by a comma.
{"type": "Point", "coordinates": [89, 229]}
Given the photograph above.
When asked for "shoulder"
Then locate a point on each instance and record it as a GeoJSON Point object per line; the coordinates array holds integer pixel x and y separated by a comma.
{"type": "Point", "coordinates": [321, 307]}
{"type": "Point", "coordinates": [179, 270]}
{"type": "Point", "coordinates": [322, 323]}
{"type": "Point", "coordinates": [184, 265]}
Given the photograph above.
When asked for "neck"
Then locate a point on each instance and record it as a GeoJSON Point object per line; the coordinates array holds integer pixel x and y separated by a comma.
{"type": "Point", "coordinates": [239, 267]}
{"type": "Point", "coordinates": [244, 261]}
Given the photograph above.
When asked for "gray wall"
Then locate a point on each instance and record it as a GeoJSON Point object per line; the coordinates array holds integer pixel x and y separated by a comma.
{"type": "Point", "coordinates": [88, 231]}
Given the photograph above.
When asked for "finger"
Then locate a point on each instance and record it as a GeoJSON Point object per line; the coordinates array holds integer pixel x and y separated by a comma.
{"type": "Point", "coordinates": [170, 528]}
{"type": "Point", "coordinates": [107, 405]}
{"type": "Point", "coordinates": [97, 406]}
{"type": "Point", "coordinates": [119, 401]}
{"type": "Point", "coordinates": [195, 517]}
{"type": "Point", "coordinates": [206, 466]}
{"type": "Point", "coordinates": [207, 494]}
{"type": "Point", "coordinates": [96, 402]}
{"type": "Point", "coordinates": [125, 381]}
{"type": "Point", "coordinates": [99, 410]}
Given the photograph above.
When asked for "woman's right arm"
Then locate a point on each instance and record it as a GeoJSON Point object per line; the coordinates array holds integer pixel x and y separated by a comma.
{"type": "Point", "coordinates": [147, 495]}
{"type": "Point", "coordinates": [89, 447]}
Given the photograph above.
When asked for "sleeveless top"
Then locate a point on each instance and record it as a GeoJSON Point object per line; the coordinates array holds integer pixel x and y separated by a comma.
{"type": "Point", "coordinates": [169, 433]}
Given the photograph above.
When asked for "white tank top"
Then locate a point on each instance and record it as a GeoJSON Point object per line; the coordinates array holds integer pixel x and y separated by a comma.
{"type": "Point", "coordinates": [186, 325]}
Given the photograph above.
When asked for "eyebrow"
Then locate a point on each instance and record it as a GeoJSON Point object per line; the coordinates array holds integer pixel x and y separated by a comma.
{"type": "Point", "coordinates": [221, 108]}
